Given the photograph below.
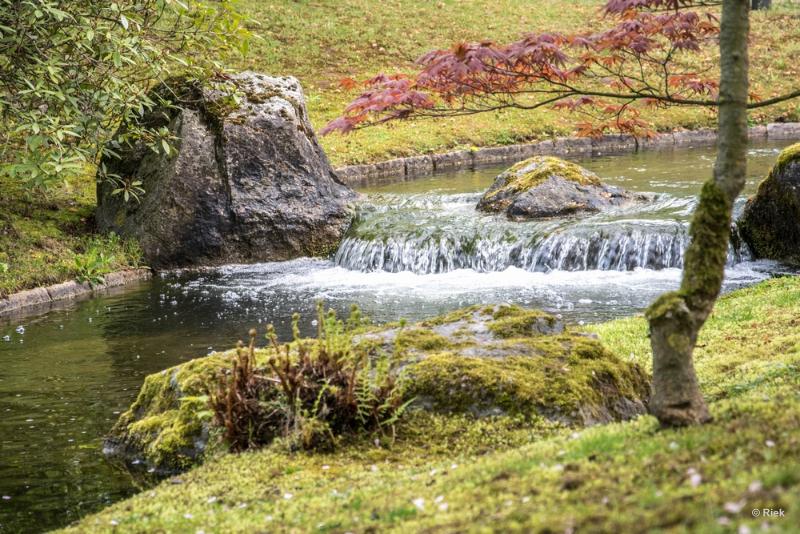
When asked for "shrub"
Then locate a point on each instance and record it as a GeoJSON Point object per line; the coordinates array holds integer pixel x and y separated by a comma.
{"type": "Point", "coordinates": [91, 266]}
{"type": "Point", "coordinates": [310, 391]}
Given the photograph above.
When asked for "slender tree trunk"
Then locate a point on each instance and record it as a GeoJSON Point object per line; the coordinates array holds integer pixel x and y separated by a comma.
{"type": "Point", "coordinates": [762, 4]}
{"type": "Point", "coordinates": [676, 318]}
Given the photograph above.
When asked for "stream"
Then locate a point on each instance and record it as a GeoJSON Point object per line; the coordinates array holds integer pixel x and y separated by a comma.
{"type": "Point", "coordinates": [418, 248]}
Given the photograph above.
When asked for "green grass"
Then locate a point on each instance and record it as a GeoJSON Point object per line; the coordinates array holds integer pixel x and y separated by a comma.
{"type": "Point", "coordinates": [457, 474]}
{"type": "Point", "coordinates": [323, 41]}
{"type": "Point", "coordinates": [41, 237]}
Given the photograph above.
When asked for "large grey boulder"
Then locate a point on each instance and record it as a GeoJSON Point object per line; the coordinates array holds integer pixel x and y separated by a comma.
{"type": "Point", "coordinates": [770, 222]}
{"type": "Point", "coordinates": [544, 186]}
{"type": "Point", "coordinates": [247, 180]}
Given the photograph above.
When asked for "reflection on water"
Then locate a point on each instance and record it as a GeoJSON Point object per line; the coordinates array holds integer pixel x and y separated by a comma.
{"type": "Point", "coordinates": [65, 376]}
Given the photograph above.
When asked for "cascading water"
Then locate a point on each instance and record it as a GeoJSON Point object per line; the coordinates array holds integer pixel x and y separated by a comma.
{"type": "Point", "coordinates": [430, 234]}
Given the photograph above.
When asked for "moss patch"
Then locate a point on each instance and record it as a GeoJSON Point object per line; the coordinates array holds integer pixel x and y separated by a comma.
{"type": "Point", "coordinates": [787, 156]}
{"type": "Point", "coordinates": [165, 426]}
{"type": "Point", "coordinates": [513, 321]}
{"type": "Point", "coordinates": [567, 378]}
{"type": "Point", "coordinates": [43, 239]}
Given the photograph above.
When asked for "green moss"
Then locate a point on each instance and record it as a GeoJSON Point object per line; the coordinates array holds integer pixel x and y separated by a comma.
{"type": "Point", "coordinates": [787, 156]}
{"type": "Point", "coordinates": [666, 305]}
{"type": "Point", "coordinates": [167, 418]}
{"type": "Point", "coordinates": [462, 314]}
{"type": "Point", "coordinates": [533, 171]}
{"type": "Point", "coordinates": [40, 236]}
{"type": "Point", "coordinates": [568, 377]}
{"type": "Point", "coordinates": [513, 321]}
{"type": "Point", "coordinates": [421, 339]}
{"type": "Point", "coordinates": [708, 249]}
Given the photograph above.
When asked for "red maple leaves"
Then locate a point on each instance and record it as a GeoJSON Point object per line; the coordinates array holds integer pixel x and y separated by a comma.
{"type": "Point", "coordinates": [606, 76]}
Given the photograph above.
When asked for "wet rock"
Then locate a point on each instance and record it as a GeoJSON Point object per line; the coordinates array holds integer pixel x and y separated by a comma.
{"type": "Point", "coordinates": [481, 361]}
{"type": "Point", "coordinates": [247, 181]}
{"type": "Point", "coordinates": [545, 186]}
{"type": "Point", "coordinates": [770, 222]}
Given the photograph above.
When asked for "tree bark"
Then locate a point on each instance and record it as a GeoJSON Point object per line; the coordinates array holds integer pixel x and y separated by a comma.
{"type": "Point", "coordinates": [762, 4]}
{"type": "Point", "coordinates": [677, 317]}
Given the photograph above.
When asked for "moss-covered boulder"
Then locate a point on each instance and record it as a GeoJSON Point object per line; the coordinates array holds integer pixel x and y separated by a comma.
{"type": "Point", "coordinates": [480, 361]}
{"type": "Point", "coordinates": [770, 222]}
{"type": "Point", "coordinates": [545, 186]}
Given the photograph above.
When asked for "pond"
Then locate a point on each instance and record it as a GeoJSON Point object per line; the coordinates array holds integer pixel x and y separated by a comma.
{"type": "Point", "coordinates": [418, 248]}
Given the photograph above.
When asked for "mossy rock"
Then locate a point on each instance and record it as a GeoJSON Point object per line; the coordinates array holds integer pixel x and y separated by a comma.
{"type": "Point", "coordinates": [770, 222]}
{"type": "Point", "coordinates": [476, 361]}
{"type": "Point", "coordinates": [510, 360]}
{"type": "Point", "coordinates": [166, 428]}
{"type": "Point", "coordinates": [546, 186]}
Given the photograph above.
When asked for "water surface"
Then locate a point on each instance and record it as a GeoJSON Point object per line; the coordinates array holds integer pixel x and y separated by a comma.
{"type": "Point", "coordinates": [417, 249]}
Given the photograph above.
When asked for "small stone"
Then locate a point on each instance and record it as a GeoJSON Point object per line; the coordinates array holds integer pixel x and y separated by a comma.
{"type": "Point", "coordinates": [419, 503]}
{"type": "Point", "coordinates": [287, 496]}
{"type": "Point", "coordinates": [769, 443]}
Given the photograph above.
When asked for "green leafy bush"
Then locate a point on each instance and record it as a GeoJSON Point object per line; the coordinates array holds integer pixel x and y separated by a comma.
{"type": "Point", "coordinates": [91, 266]}
{"type": "Point", "coordinates": [310, 391]}
{"type": "Point", "coordinates": [72, 72]}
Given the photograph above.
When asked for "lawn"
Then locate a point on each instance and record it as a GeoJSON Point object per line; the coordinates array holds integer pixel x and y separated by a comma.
{"type": "Point", "coordinates": [46, 240]}
{"type": "Point", "coordinates": [323, 41]}
{"type": "Point", "coordinates": [456, 474]}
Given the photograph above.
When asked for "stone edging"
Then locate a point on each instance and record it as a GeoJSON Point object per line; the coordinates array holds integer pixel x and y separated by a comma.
{"type": "Point", "coordinates": [416, 166]}
{"type": "Point", "coordinates": [68, 290]}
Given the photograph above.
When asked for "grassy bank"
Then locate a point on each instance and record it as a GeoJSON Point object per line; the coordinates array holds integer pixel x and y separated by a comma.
{"type": "Point", "coordinates": [324, 41]}
{"type": "Point", "coordinates": [46, 240]}
{"type": "Point", "coordinates": [458, 474]}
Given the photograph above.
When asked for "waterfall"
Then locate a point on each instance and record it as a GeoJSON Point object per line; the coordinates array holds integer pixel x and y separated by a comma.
{"type": "Point", "coordinates": [423, 236]}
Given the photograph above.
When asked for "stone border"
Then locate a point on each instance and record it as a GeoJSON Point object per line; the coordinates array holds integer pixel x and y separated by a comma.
{"type": "Point", "coordinates": [41, 296]}
{"type": "Point", "coordinates": [416, 166]}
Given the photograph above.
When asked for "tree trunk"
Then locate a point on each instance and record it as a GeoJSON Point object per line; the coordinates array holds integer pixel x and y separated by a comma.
{"type": "Point", "coordinates": [676, 317]}
{"type": "Point", "coordinates": [762, 4]}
